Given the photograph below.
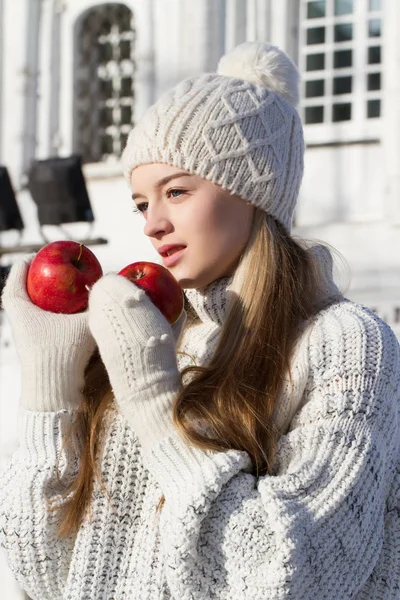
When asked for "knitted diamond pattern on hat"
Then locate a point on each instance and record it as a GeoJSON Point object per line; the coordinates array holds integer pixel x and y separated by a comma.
{"type": "Point", "coordinates": [243, 130]}
{"type": "Point", "coordinates": [237, 134]}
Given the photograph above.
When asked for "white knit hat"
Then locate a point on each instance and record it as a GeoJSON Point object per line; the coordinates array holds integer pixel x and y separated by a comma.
{"type": "Point", "coordinates": [238, 128]}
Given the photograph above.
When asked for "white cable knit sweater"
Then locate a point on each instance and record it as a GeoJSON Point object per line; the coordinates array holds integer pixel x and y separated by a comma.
{"type": "Point", "coordinates": [326, 526]}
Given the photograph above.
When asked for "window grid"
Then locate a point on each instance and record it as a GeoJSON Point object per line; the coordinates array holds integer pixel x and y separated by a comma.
{"type": "Point", "coordinates": [104, 82]}
{"type": "Point", "coordinates": [356, 34]}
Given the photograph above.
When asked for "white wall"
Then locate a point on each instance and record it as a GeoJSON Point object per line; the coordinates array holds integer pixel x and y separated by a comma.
{"type": "Point", "coordinates": [14, 85]}
{"type": "Point", "coordinates": [342, 202]}
{"type": "Point", "coordinates": [342, 183]}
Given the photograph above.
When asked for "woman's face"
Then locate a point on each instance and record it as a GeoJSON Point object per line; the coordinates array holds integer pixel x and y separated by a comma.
{"type": "Point", "coordinates": [206, 226]}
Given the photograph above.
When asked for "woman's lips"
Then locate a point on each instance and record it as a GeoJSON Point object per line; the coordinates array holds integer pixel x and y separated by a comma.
{"type": "Point", "coordinates": [173, 258]}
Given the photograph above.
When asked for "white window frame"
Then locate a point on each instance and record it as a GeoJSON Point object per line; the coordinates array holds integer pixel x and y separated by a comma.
{"type": "Point", "coordinates": [359, 128]}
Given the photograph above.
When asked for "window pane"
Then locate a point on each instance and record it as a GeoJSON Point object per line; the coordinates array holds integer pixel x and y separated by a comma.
{"type": "Point", "coordinates": [123, 140]}
{"type": "Point", "coordinates": [374, 55]}
{"type": "Point", "coordinates": [342, 85]}
{"type": "Point", "coordinates": [315, 62]}
{"type": "Point", "coordinates": [106, 88]}
{"type": "Point", "coordinates": [375, 4]}
{"type": "Point", "coordinates": [126, 87]}
{"type": "Point", "coordinates": [341, 112]}
{"type": "Point", "coordinates": [103, 24]}
{"type": "Point", "coordinates": [316, 35]}
{"type": "Point", "coordinates": [105, 52]}
{"type": "Point", "coordinates": [374, 28]}
{"type": "Point", "coordinates": [106, 116]}
{"type": "Point", "coordinates": [314, 114]}
{"type": "Point", "coordinates": [373, 109]}
{"type": "Point", "coordinates": [374, 81]}
{"type": "Point", "coordinates": [125, 49]}
{"type": "Point", "coordinates": [315, 88]}
{"type": "Point", "coordinates": [107, 145]}
{"type": "Point", "coordinates": [316, 10]}
{"type": "Point", "coordinates": [126, 115]}
{"type": "Point", "coordinates": [343, 7]}
{"type": "Point", "coordinates": [342, 58]}
{"type": "Point", "coordinates": [124, 19]}
{"type": "Point", "coordinates": [343, 32]}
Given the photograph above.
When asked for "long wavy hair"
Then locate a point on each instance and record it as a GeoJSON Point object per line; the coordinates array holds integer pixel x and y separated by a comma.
{"type": "Point", "coordinates": [275, 288]}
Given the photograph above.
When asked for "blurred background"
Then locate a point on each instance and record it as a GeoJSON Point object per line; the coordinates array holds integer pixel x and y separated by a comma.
{"type": "Point", "coordinates": [75, 75]}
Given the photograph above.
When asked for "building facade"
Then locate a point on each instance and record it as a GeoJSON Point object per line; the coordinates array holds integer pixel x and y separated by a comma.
{"type": "Point", "coordinates": [75, 75]}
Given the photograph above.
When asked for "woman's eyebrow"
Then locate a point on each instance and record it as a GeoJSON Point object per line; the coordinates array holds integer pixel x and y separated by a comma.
{"type": "Point", "coordinates": [163, 181]}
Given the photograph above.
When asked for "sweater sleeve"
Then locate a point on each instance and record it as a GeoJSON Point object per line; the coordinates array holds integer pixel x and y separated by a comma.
{"type": "Point", "coordinates": [35, 476]}
{"type": "Point", "coordinates": [317, 527]}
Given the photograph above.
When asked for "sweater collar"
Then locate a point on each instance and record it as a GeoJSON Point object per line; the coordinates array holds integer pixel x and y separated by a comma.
{"type": "Point", "coordinates": [210, 302]}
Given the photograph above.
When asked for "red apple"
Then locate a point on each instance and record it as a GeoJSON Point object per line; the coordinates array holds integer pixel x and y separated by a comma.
{"type": "Point", "coordinates": [58, 276]}
{"type": "Point", "coordinates": [160, 285]}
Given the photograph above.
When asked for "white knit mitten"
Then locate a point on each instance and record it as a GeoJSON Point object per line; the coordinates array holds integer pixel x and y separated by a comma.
{"type": "Point", "coordinates": [138, 348]}
{"type": "Point", "coordinates": [53, 348]}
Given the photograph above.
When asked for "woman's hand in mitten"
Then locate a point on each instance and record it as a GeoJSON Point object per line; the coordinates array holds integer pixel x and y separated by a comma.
{"type": "Point", "coordinates": [53, 348]}
{"type": "Point", "coordinates": [138, 348]}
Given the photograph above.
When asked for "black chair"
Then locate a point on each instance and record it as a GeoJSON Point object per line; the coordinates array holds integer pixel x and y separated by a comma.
{"type": "Point", "coordinates": [10, 217]}
{"type": "Point", "coordinates": [58, 188]}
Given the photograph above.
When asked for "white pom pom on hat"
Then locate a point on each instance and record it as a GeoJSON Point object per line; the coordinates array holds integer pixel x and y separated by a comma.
{"type": "Point", "coordinates": [263, 64]}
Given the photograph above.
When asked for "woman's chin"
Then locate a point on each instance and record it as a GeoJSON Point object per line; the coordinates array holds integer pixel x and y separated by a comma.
{"type": "Point", "coordinates": [193, 278]}
{"type": "Point", "coordinates": [186, 280]}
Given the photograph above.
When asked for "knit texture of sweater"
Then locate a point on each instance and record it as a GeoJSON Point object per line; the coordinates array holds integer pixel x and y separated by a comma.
{"type": "Point", "coordinates": [324, 526]}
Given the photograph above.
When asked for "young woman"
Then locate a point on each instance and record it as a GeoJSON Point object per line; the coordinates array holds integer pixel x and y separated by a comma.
{"type": "Point", "coordinates": [249, 451]}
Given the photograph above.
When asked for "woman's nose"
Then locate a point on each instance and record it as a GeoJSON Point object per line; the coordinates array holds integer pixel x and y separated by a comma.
{"type": "Point", "coordinates": [157, 224]}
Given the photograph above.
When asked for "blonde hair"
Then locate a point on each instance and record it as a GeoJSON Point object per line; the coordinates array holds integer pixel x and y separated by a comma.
{"type": "Point", "coordinates": [275, 289]}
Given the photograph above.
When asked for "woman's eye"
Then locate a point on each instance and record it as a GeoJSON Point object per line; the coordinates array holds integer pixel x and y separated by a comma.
{"type": "Point", "coordinates": [142, 207]}
{"type": "Point", "coordinates": [175, 193]}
